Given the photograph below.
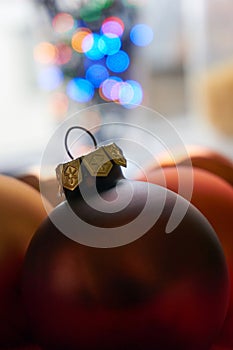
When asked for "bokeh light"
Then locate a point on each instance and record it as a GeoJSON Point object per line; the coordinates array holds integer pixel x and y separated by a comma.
{"type": "Point", "coordinates": [80, 90]}
{"type": "Point", "coordinates": [90, 46]}
{"type": "Point", "coordinates": [109, 44]}
{"type": "Point", "coordinates": [78, 37]}
{"type": "Point", "coordinates": [45, 53]}
{"type": "Point", "coordinates": [119, 62]}
{"type": "Point", "coordinates": [50, 78]}
{"type": "Point", "coordinates": [115, 92]}
{"type": "Point", "coordinates": [63, 23]}
{"type": "Point", "coordinates": [87, 63]}
{"type": "Point", "coordinates": [90, 16]}
{"type": "Point", "coordinates": [92, 10]}
{"type": "Point", "coordinates": [64, 53]}
{"type": "Point", "coordinates": [141, 35]}
{"type": "Point", "coordinates": [96, 74]}
{"type": "Point", "coordinates": [137, 95]}
{"type": "Point", "coordinates": [106, 88]}
{"type": "Point", "coordinates": [93, 50]}
{"type": "Point", "coordinates": [113, 25]}
{"type": "Point", "coordinates": [126, 93]}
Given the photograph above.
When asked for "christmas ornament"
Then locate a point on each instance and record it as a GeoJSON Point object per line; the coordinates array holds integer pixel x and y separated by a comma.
{"type": "Point", "coordinates": [201, 157]}
{"type": "Point", "coordinates": [132, 285]}
{"type": "Point", "coordinates": [220, 348]}
{"type": "Point", "coordinates": [28, 347]}
{"type": "Point", "coordinates": [21, 211]}
{"type": "Point", "coordinates": [31, 180]}
{"type": "Point", "coordinates": [214, 198]}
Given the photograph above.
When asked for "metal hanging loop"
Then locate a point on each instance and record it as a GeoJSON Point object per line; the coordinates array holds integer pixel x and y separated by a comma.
{"type": "Point", "coordinates": [80, 128]}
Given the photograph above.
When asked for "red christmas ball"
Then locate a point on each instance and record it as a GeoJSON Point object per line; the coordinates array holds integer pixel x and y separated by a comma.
{"type": "Point", "coordinates": [159, 291]}
{"type": "Point", "coordinates": [214, 198]}
{"type": "Point", "coordinates": [21, 213]}
{"type": "Point", "coordinates": [200, 157]}
{"type": "Point", "coordinates": [26, 347]}
{"type": "Point", "coordinates": [216, 347]}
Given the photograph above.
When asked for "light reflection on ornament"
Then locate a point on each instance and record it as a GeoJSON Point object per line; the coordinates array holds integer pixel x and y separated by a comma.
{"type": "Point", "coordinates": [118, 62]}
{"type": "Point", "coordinates": [80, 90]}
{"type": "Point", "coordinates": [63, 22]}
{"type": "Point", "coordinates": [64, 53]}
{"type": "Point", "coordinates": [90, 46]}
{"type": "Point", "coordinates": [50, 78]}
{"type": "Point", "coordinates": [106, 87]}
{"type": "Point", "coordinates": [96, 74]}
{"type": "Point", "coordinates": [113, 25]}
{"type": "Point", "coordinates": [45, 53]}
{"type": "Point", "coordinates": [141, 35]}
{"type": "Point", "coordinates": [78, 37]}
{"type": "Point", "coordinates": [109, 44]}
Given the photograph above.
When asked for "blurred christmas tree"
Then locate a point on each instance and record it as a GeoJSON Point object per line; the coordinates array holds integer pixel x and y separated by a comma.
{"type": "Point", "coordinates": [91, 53]}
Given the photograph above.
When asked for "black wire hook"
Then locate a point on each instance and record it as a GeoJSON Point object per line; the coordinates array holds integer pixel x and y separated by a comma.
{"type": "Point", "coordinates": [81, 128]}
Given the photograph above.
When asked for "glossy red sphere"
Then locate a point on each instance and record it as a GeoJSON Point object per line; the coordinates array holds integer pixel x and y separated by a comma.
{"type": "Point", "coordinates": [161, 291]}
{"type": "Point", "coordinates": [21, 213]}
{"type": "Point", "coordinates": [214, 198]}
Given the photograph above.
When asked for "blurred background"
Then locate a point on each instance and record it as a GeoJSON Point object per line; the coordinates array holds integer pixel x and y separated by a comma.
{"type": "Point", "coordinates": [58, 57]}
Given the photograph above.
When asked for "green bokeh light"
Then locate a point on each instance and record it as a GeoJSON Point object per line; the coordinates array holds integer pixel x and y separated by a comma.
{"type": "Point", "coordinates": [92, 11]}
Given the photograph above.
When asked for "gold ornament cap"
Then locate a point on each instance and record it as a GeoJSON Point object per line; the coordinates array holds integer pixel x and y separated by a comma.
{"type": "Point", "coordinates": [98, 163]}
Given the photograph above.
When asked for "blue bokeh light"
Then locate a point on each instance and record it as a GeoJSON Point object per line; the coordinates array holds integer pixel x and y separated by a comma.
{"type": "Point", "coordinates": [50, 78]}
{"type": "Point", "coordinates": [90, 47]}
{"type": "Point", "coordinates": [80, 90]}
{"type": "Point", "coordinates": [137, 94]}
{"type": "Point", "coordinates": [96, 74]}
{"type": "Point", "coordinates": [126, 93]}
{"type": "Point", "coordinates": [107, 87]}
{"type": "Point", "coordinates": [118, 62]}
{"type": "Point", "coordinates": [87, 63]}
{"type": "Point", "coordinates": [109, 44]}
{"type": "Point", "coordinates": [141, 35]}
